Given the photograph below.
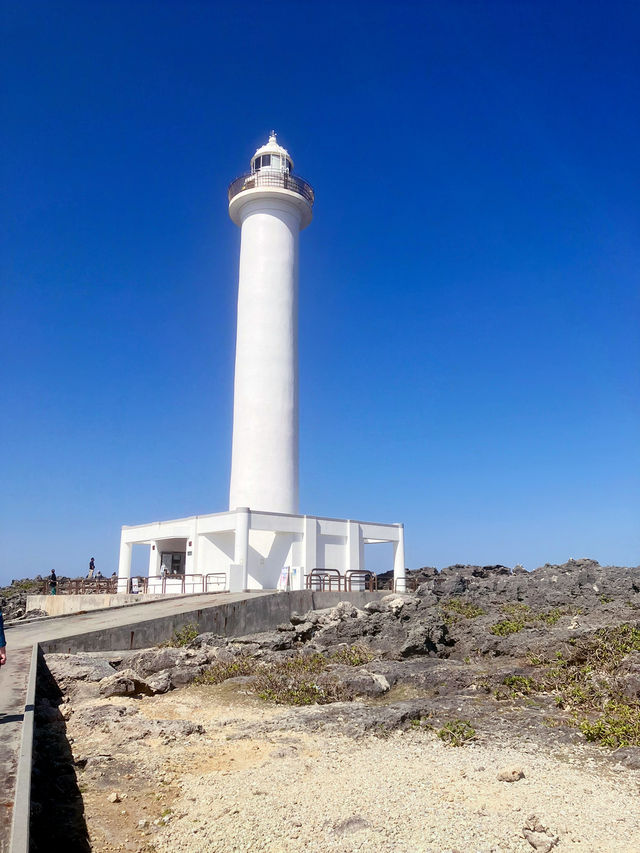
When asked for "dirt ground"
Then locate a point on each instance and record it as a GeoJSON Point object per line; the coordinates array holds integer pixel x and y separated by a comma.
{"type": "Point", "coordinates": [244, 784]}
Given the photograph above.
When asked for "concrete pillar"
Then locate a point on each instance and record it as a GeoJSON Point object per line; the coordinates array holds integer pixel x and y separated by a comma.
{"type": "Point", "coordinates": [354, 549]}
{"type": "Point", "coordinates": [154, 560]}
{"type": "Point", "coordinates": [191, 554]}
{"type": "Point", "coordinates": [399, 570]}
{"type": "Point", "coordinates": [124, 566]}
{"type": "Point", "coordinates": [309, 549]}
{"type": "Point", "coordinates": [241, 548]}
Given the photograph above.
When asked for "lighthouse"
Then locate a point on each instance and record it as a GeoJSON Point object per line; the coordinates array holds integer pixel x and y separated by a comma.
{"type": "Point", "coordinates": [262, 541]}
{"type": "Point", "coordinates": [271, 206]}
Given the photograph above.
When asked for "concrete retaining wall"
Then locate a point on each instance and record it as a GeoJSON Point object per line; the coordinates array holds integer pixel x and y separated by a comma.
{"type": "Point", "coordinates": [248, 616]}
{"type": "Point", "coordinates": [61, 605]}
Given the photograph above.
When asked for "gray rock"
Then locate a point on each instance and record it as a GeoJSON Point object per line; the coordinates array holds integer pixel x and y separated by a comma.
{"type": "Point", "coordinates": [360, 682]}
{"type": "Point", "coordinates": [149, 661]}
{"type": "Point", "coordinates": [207, 639]}
{"type": "Point", "coordinates": [160, 682]}
{"type": "Point", "coordinates": [103, 715]}
{"type": "Point", "coordinates": [125, 683]}
{"type": "Point", "coordinates": [69, 668]}
{"type": "Point", "coordinates": [304, 630]}
{"type": "Point", "coordinates": [629, 756]}
{"type": "Point", "coordinates": [628, 676]}
{"type": "Point", "coordinates": [510, 774]}
{"type": "Point", "coordinates": [180, 676]}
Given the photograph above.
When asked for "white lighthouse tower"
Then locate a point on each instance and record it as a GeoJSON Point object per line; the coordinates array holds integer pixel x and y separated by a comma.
{"type": "Point", "coordinates": [271, 206]}
{"type": "Point", "coordinates": [262, 540]}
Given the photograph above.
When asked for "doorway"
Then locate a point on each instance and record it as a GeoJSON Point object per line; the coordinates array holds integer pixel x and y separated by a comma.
{"type": "Point", "coordinates": [172, 562]}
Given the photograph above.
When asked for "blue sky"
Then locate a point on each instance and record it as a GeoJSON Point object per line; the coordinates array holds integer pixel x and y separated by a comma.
{"type": "Point", "coordinates": [469, 304]}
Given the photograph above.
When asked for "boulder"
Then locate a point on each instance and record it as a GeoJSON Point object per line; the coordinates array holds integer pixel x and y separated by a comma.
{"type": "Point", "coordinates": [125, 683]}
{"type": "Point", "coordinates": [67, 669]}
{"type": "Point", "coordinates": [360, 682]}
{"type": "Point", "coordinates": [149, 661]}
{"type": "Point", "coordinates": [628, 676]}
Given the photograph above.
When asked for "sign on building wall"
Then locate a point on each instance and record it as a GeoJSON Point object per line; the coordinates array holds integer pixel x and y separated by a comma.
{"type": "Point", "coordinates": [283, 581]}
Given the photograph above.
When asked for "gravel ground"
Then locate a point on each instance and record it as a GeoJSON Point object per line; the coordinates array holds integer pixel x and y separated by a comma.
{"type": "Point", "coordinates": [408, 793]}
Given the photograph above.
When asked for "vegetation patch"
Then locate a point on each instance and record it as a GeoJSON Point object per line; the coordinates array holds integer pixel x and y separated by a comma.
{"type": "Point", "coordinates": [520, 616]}
{"type": "Point", "coordinates": [586, 686]}
{"type": "Point", "coordinates": [455, 609]}
{"type": "Point", "coordinates": [298, 679]}
{"type": "Point", "coordinates": [182, 636]}
{"type": "Point", "coordinates": [222, 670]}
{"type": "Point", "coordinates": [456, 732]}
{"type": "Point", "coordinates": [516, 686]}
{"type": "Point", "coordinates": [352, 656]}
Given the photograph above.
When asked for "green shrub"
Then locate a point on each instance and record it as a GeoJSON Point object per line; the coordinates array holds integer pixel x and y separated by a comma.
{"type": "Point", "coordinates": [299, 679]}
{"type": "Point", "coordinates": [519, 685]}
{"type": "Point", "coordinates": [222, 670]}
{"type": "Point", "coordinates": [454, 609]}
{"type": "Point", "coordinates": [585, 685]}
{"type": "Point", "coordinates": [182, 636]}
{"type": "Point", "coordinates": [521, 616]}
{"type": "Point", "coordinates": [617, 725]}
{"type": "Point", "coordinates": [456, 732]}
{"type": "Point", "coordinates": [352, 656]}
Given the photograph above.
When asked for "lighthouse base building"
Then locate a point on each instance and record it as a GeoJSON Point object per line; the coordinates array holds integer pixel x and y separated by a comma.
{"type": "Point", "coordinates": [252, 550]}
{"type": "Point", "coordinates": [263, 542]}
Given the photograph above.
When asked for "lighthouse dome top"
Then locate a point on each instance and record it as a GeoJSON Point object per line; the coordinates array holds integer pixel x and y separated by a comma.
{"type": "Point", "coordinates": [271, 177]}
{"type": "Point", "coordinates": [272, 156]}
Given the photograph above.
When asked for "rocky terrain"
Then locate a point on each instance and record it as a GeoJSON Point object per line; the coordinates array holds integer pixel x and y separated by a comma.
{"type": "Point", "coordinates": [490, 709]}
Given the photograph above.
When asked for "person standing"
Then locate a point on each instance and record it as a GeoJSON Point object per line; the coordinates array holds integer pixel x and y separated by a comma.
{"type": "Point", "coordinates": [53, 583]}
{"type": "Point", "coordinates": [92, 567]}
{"type": "Point", "coordinates": [3, 643]}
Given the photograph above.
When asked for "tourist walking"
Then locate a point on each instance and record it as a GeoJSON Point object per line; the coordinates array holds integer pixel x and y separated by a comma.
{"type": "Point", "coordinates": [3, 642]}
{"type": "Point", "coordinates": [53, 583]}
{"type": "Point", "coordinates": [92, 568]}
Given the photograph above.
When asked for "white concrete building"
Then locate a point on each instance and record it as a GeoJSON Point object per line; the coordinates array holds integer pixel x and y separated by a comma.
{"type": "Point", "coordinates": [262, 539]}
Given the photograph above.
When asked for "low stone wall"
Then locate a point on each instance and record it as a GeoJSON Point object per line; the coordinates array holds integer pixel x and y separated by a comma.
{"type": "Point", "coordinates": [60, 605]}
{"type": "Point", "coordinates": [233, 619]}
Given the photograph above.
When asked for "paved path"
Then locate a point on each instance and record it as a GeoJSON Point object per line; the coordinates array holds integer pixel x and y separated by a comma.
{"type": "Point", "coordinates": [21, 638]}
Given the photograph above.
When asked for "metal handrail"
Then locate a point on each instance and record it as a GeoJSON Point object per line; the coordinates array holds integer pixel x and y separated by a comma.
{"type": "Point", "coordinates": [362, 575]}
{"type": "Point", "coordinates": [282, 180]}
{"type": "Point", "coordinates": [82, 586]}
{"type": "Point", "coordinates": [405, 584]}
{"type": "Point", "coordinates": [222, 575]}
{"type": "Point", "coordinates": [324, 578]}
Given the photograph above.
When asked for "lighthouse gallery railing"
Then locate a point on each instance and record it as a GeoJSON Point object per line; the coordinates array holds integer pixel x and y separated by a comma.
{"type": "Point", "coordinates": [271, 179]}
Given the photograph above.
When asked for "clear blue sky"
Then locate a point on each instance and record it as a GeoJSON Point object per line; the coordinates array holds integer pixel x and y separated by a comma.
{"type": "Point", "coordinates": [469, 350]}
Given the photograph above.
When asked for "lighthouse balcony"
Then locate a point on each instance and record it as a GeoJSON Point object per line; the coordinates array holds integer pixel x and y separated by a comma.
{"type": "Point", "coordinates": [271, 178]}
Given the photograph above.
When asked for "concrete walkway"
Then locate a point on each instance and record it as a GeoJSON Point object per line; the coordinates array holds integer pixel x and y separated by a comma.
{"type": "Point", "coordinates": [85, 629]}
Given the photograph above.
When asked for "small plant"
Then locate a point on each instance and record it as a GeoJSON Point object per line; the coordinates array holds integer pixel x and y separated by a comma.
{"type": "Point", "coordinates": [454, 609]}
{"type": "Point", "coordinates": [182, 636]}
{"type": "Point", "coordinates": [456, 732]}
{"type": "Point", "coordinates": [222, 670]}
{"type": "Point", "coordinates": [519, 685]}
{"type": "Point", "coordinates": [618, 725]}
{"type": "Point", "coordinates": [352, 656]}
{"type": "Point", "coordinates": [521, 616]}
{"type": "Point", "coordinates": [585, 685]}
{"type": "Point", "coordinates": [606, 599]}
